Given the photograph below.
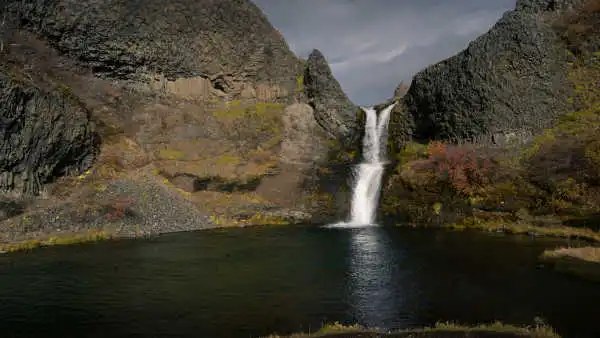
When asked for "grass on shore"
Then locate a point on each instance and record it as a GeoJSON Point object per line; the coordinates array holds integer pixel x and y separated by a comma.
{"type": "Point", "coordinates": [589, 254]}
{"type": "Point", "coordinates": [583, 262]}
{"type": "Point", "coordinates": [337, 329]}
{"type": "Point", "coordinates": [256, 219]}
{"type": "Point", "coordinates": [67, 239]}
{"type": "Point", "coordinates": [527, 229]}
{"type": "Point", "coordinates": [538, 331]}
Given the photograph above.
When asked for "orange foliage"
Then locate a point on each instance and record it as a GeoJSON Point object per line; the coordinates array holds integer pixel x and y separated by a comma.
{"type": "Point", "coordinates": [459, 166]}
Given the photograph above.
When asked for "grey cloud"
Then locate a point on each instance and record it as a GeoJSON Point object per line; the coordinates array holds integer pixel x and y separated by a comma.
{"type": "Point", "coordinates": [372, 45]}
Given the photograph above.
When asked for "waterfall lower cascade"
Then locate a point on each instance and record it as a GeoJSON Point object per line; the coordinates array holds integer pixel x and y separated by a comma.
{"type": "Point", "coordinates": [368, 174]}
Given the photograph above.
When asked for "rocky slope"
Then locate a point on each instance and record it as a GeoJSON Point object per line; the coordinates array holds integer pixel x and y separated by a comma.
{"type": "Point", "coordinates": [533, 79]}
{"type": "Point", "coordinates": [137, 109]}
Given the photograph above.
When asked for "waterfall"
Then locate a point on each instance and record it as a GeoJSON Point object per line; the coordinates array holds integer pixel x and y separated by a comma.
{"type": "Point", "coordinates": [368, 174]}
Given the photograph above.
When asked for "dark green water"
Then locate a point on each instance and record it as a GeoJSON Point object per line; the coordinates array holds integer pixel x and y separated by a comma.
{"type": "Point", "coordinates": [256, 281]}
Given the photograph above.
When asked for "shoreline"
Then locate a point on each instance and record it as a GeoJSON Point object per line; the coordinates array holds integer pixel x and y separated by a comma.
{"type": "Point", "coordinates": [109, 233]}
{"type": "Point", "coordinates": [124, 208]}
{"type": "Point", "coordinates": [582, 262]}
{"type": "Point", "coordinates": [517, 228]}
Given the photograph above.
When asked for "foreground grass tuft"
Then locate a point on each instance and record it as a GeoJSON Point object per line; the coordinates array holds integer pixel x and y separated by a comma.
{"type": "Point", "coordinates": [538, 331]}
{"type": "Point", "coordinates": [439, 330]}
{"type": "Point", "coordinates": [336, 327]}
{"type": "Point", "coordinates": [327, 330]}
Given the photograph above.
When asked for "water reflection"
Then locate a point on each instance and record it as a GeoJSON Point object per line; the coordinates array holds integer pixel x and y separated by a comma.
{"type": "Point", "coordinates": [261, 281]}
{"type": "Point", "coordinates": [371, 277]}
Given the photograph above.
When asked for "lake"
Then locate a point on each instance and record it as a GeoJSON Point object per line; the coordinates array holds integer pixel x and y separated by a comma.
{"type": "Point", "coordinates": [251, 282]}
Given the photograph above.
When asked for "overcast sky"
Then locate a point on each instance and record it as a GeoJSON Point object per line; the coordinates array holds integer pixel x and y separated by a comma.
{"type": "Point", "coordinates": [372, 45]}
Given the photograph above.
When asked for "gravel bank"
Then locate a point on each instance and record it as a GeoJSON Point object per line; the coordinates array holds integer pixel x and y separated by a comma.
{"type": "Point", "coordinates": [127, 207]}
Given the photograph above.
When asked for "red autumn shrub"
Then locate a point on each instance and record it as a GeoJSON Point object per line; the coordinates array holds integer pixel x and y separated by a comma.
{"type": "Point", "coordinates": [459, 166]}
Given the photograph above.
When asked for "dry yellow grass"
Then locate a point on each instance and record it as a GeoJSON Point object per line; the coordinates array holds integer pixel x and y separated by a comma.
{"type": "Point", "coordinates": [438, 330]}
{"type": "Point", "coordinates": [590, 254]}
{"type": "Point", "coordinates": [583, 262]}
{"type": "Point", "coordinates": [526, 228]}
{"type": "Point", "coordinates": [62, 239]}
{"type": "Point", "coordinates": [115, 159]}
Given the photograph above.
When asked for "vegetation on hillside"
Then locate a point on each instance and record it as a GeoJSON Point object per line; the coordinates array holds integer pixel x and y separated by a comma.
{"type": "Point", "coordinates": [557, 174]}
{"type": "Point", "coordinates": [550, 181]}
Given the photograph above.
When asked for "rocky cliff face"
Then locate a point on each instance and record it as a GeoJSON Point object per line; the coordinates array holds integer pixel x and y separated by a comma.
{"type": "Point", "coordinates": [199, 101]}
{"type": "Point", "coordinates": [511, 80]}
{"type": "Point", "coordinates": [125, 39]}
{"type": "Point", "coordinates": [335, 112]}
{"type": "Point", "coordinates": [537, 68]}
{"type": "Point", "coordinates": [46, 134]}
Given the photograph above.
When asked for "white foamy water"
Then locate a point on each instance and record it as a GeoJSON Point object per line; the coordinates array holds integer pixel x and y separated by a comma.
{"type": "Point", "coordinates": [368, 174]}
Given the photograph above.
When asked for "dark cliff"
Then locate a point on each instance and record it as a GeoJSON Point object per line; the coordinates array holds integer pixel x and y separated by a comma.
{"type": "Point", "coordinates": [335, 112]}
{"type": "Point", "coordinates": [512, 79]}
{"type": "Point", "coordinates": [123, 39]}
{"type": "Point", "coordinates": [46, 133]}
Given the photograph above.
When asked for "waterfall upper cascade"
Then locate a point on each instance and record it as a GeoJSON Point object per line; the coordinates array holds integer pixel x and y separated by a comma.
{"type": "Point", "coordinates": [368, 174]}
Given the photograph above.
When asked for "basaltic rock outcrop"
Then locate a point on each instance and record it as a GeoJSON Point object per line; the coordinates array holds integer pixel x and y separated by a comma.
{"type": "Point", "coordinates": [510, 82]}
{"type": "Point", "coordinates": [146, 117]}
